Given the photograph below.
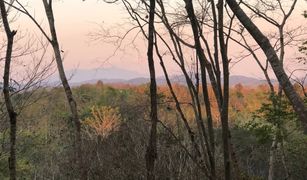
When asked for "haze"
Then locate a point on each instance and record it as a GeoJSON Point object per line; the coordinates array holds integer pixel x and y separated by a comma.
{"type": "Point", "coordinates": [77, 20]}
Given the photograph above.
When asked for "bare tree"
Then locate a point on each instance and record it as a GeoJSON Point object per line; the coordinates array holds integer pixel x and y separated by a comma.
{"type": "Point", "coordinates": [224, 113]}
{"type": "Point", "coordinates": [53, 40]}
{"type": "Point", "coordinates": [262, 10]}
{"type": "Point", "coordinates": [274, 60]}
{"type": "Point", "coordinates": [6, 90]}
{"type": "Point", "coordinates": [151, 152]}
{"type": "Point", "coordinates": [204, 157]}
{"type": "Point", "coordinates": [284, 37]}
{"type": "Point", "coordinates": [72, 103]}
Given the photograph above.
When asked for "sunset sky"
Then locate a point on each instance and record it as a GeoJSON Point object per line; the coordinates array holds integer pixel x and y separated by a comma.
{"type": "Point", "coordinates": [77, 19]}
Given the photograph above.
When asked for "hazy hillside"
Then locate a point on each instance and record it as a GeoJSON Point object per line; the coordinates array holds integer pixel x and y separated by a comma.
{"type": "Point", "coordinates": [118, 75]}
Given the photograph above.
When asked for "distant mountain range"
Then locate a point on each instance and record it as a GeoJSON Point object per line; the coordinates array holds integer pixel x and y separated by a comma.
{"type": "Point", "coordinates": [115, 75]}
{"type": "Point", "coordinates": [233, 80]}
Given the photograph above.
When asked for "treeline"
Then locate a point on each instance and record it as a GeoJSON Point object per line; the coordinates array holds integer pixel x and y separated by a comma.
{"type": "Point", "coordinates": [115, 129]}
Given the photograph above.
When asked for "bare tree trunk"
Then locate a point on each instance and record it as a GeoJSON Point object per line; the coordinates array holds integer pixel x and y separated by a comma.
{"type": "Point", "coordinates": [264, 43]}
{"type": "Point", "coordinates": [201, 159]}
{"type": "Point", "coordinates": [67, 89]}
{"type": "Point", "coordinates": [6, 91]}
{"type": "Point", "coordinates": [224, 112]}
{"type": "Point", "coordinates": [215, 44]}
{"type": "Point", "coordinates": [203, 64]}
{"type": "Point", "coordinates": [198, 155]}
{"type": "Point", "coordinates": [283, 159]}
{"type": "Point", "coordinates": [272, 159]}
{"type": "Point", "coordinates": [178, 107]}
{"type": "Point", "coordinates": [203, 61]}
{"type": "Point", "coordinates": [209, 120]}
{"type": "Point", "coordinates": [151, 153]}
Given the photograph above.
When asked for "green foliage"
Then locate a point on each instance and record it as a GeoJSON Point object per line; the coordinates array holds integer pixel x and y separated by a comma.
{"type": "Point", "coordinates": [296, 156]}
{"type": "Point", "coordinates": [277, 111]}
{"type": "Point", "coordinates": [29, 153]}
{"type": "Point", "coordinates": [264, 131]}
{"type": "Point", "coordinates": [271, 119]}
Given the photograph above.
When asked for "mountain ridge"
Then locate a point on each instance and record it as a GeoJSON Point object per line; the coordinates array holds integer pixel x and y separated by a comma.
{"type": "Point", "coordinates": [115, 75]}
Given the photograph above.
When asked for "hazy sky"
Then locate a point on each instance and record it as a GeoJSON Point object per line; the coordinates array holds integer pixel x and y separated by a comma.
{"type": "Point", "coordinates": [76, 19]}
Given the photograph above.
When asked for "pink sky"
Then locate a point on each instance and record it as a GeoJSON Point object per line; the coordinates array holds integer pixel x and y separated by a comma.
{"type": "Point", "coordinates": [76, 19]}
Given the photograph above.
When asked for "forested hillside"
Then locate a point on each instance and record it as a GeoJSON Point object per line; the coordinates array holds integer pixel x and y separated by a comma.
{"type": "Point", "coordinates": [193, 117]}
{"type": "Point", "coordinates": [115, 127]}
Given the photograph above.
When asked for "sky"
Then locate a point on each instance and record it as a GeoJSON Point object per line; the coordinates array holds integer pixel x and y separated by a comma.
{"type": "Point", "coordinates": [77, 20]}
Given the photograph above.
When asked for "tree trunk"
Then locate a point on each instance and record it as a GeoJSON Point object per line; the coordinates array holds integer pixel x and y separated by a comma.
{"type": "Point", "coordinates": [151, 153]}
{"type": "Point", "coordinates": [209, 120]}
{"type": "Point", "coordinates": [6, 91]}
{"type": "Point", "coordinates": [72, 103]}
{"type": "Point", "coordinates": [283, 159]}
{"type": "Point", "coordinates": [203, 65]}
{"type": "Point", "coordinates": [272, 159]}
{"type": "Point", "coordinates": [224, 112]}
{"type": "Point", "coordinates": [264, 43]}
{"type": "Point", "coordinates": [178, 107]}
{"type": "Point", "coordinates": [203, 61]}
